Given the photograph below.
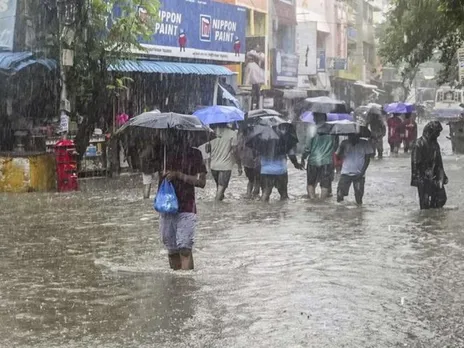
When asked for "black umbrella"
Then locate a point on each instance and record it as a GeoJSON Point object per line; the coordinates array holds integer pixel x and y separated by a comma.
{"type": "Point", "coordinates": [263, 112]}
{"type": "Point", "coordinates": [154, 124]}
{"type": "Point", "coordinates": [324, 105]}
{"type": "Point", "coordinates": [365, 113]}
{"type": "Point", "coordinates": [344, 128]}
{"type": "Point", "coordinates": [270, 135]}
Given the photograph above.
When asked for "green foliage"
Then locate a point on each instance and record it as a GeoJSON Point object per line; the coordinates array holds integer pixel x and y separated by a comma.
{"type": "Point", "coordinates": [100, 40]}
{"type": "Point", "coordinates": [416, 29]}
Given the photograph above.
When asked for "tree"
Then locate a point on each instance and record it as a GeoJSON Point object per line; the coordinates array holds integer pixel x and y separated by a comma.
{"type": "Point", "coordinates": [416, 29]}
{"type": "Point", "coordinates": [98, 38]}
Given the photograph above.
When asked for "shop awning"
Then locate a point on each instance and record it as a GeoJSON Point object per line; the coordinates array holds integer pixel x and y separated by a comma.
{"type": "Point", "coordinates": [151, 66]}
{"type": "Point", "coordinates": [12, 62]}
{"type": "Point", "coordinates": [303, 16]}
{"type": "Point", "coordinates": [285, 12]}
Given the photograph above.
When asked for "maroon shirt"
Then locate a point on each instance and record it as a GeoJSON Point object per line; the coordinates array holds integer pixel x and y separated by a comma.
{"type": "Point", "coordinates": [189, 162]}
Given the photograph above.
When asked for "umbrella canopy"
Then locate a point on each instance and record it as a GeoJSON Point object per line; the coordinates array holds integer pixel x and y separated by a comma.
{"type": "Point", "coordinates": [270, 135]}
{"type": "Point", "coordinates": [308, 117]}
{"type": "Point", "coordinates": [364, 113]}
{"type": "Point", "coordinates": [219, 114]}
{"type": "Point", "coordinates": [322, 104]}
{"type": "Point", "coordinates": [344, 128]}
{"type": "Point", "coordinates": [399, 108]}
{"type": "Point", "coordinates": [263, 112]}
{"type": "Point", "coordinates": [154, 124]}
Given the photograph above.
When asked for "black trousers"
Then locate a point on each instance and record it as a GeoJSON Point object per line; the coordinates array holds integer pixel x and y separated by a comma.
{"type": "Point", "coordinates": [431, 196]}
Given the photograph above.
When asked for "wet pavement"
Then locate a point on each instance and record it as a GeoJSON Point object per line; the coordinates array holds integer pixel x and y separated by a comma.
{"type": "Point", "coordinates": [87, 269]}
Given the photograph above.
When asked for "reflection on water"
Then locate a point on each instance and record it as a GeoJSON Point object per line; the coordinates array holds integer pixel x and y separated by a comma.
{"type": "Point", "coordinates": [87, 269]}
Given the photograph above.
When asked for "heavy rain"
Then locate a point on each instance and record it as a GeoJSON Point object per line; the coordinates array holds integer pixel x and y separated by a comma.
{"type": "Point", "coordinates": [299, 186]}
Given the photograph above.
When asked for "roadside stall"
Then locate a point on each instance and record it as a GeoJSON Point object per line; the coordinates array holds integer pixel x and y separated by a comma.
{"type": "Point", "coordinates": [27, 110]}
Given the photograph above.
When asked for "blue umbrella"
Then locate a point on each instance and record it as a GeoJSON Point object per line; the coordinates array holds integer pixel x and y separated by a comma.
{"type": "Point", "coordinates": [309, 117]}
{"type": "Point", "coordinates": [219, 114]}
{"type": "Point", "coordinates": [399, 108]}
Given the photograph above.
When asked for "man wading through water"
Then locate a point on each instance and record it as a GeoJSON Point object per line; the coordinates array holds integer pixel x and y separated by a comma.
{"type": "Point", "coordinates": [428, 174]}
{"type": "Point", "coordinates": [224, 155]}
{"type": "Point", "coordinates": [186, 170]}
{"type": "Point", "coordinates": [319, 149]}
{"type": "Point", "coordinates": [356, 154]}
{"type": "Point", "coordinates": [274, 173]}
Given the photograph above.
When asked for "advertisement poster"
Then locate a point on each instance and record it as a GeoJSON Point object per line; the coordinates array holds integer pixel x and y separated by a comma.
{"type": "Point", "coordinates": [199, 29]}
{"type": "Point", "coordinates": [7, 24]}
{"type": "Point", "coordinates": [285, 69]}
{"type": "Point", "coordinates": [306, 48]}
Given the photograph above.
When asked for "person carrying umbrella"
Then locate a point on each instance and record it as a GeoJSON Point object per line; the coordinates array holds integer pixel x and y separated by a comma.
{"type": "Point", "coordinates": [356, 154]}
{"type": "Point", "coordinates": [224, 154]}
{"type": "Point", "coordinates": [394, 132]}
{"type": "Point", "coordinates": [320, 149]}
{"type": "Point", "coordinates": [274, 139]}
{"type": "Point", "coordinates": [427, 171]}
{"type": "Point", "coordinates": [223, 149]}
{"type": "Point", "coordinates": [175, 138]}
{"type": "Point", "coordinates": [377, 127]}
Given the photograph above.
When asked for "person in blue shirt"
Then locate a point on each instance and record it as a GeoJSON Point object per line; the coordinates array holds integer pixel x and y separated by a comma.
{"type": "Point", "coordinates": [274, 173]}
{"type": "Point", "coordinates": [356, 154]}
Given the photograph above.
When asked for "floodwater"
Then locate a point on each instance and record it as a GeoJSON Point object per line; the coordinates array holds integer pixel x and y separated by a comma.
{"type": "Point", "coordinates": [87, 269]}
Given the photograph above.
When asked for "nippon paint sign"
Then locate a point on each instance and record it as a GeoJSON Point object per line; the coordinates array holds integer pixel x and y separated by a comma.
{"type": "Point", "coordinates": [200, 29]}
{"type": "Point", "coordinates": [7, 24]}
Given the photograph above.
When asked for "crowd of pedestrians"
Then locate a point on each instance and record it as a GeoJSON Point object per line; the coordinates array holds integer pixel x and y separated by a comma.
{"type": "Point", "coordinates": [323, 153]}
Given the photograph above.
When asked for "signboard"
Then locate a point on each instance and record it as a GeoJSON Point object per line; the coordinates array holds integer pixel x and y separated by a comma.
{"type": "Point", "coordinates": [461, 64]}
{"type": "Point", "coordinates": [306, 48]}
{"type": "Point", "coordinates": [284, 69]}
{"type": "Point", "coordinates": [335, 63]}
{"type": "Point", "coordinates": [199, 29]}
{"type": "Point", "coordinates": [7, 24]}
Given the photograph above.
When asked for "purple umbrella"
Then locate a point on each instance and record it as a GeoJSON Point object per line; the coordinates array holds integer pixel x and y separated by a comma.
{"type": "Point", "coordinates": [309, 117]}
{"type": "Point", "coordinates": [399, 108]}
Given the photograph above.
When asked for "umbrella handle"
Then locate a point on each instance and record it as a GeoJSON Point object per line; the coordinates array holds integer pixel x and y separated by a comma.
{"type": "Point", "coordinates": [164, 164]}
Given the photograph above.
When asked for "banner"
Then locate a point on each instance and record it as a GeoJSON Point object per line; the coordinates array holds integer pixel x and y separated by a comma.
{"type": "Point", "coordinates": [460, 54]}
{"type": "Point", "coordinates": [284, 69]}
{"type": "Point", "coordinates": [306, 47]}
{"type": "Point", "coordinates": [7, 24]}
{"type": "Point", "coordinates": [199, 29]}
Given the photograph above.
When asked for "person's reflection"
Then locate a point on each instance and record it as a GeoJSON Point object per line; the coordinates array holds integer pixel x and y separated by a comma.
{"type": "Point", "coordinates": [166, 305]}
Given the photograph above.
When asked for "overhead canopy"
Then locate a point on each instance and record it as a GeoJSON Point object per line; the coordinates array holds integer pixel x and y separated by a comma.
{"type": "Point", "coordinates": [293, 93]}
{"type": "Point", "coordinates": [150, 66]}
{"type": "Point", "coordinates": [12, 62]}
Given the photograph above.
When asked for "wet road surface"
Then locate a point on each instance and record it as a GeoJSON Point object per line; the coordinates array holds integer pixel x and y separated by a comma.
{"type": "Point", "coordinates": [87, 269]}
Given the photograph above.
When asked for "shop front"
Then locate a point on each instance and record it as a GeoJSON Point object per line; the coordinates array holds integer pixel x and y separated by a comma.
{"type": "Point", "coordinates": [28, 107]}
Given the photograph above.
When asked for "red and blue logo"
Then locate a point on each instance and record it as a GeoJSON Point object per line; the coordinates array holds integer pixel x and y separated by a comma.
{"type": "Point", "coordinates": [205, 28]}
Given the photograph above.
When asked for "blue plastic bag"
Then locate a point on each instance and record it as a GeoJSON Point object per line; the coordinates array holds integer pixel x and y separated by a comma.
{"type": "Point", "coordinates": [166, 201]}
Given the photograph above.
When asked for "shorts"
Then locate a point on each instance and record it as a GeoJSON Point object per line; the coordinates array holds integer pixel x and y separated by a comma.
{"type": "Point", "coordinates": [177, 231]}
{"type": "Point", "coordinates": [322, 175]}
{"type": "Point", "coordinates": [252, 174]}
{"type": "Point", "coordinates": [280, 182]}
{"type": "Point", "coordinates": [344, 187]}
{"type": "Point", "coordinates": [222, 177]}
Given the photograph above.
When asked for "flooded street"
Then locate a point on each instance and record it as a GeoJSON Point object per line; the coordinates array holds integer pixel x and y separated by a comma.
{"type": "Point", "coordinates": [87, 269]}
